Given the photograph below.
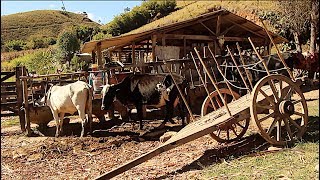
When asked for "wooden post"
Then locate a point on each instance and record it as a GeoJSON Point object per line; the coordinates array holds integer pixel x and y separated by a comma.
{"type": "Point", "coordinates": [278, 51]}
{"type": "Point", "coordinates": [184, 47]}
{"type": "Point", "coordinates": [203, 82]}
{"type": "Point", "coordinates": [217, 35]}
{"type": "Point", "coordinates": [154, 43]}
{"type": "Point", "coordinates": [26, 104]}
{"type": "Point", "coordinates": [213, 82]}
{"type": "Point", "coordinates": [218, 67]}
{"type": "Point", "coordinates": [133, 54]}
{"type": "Point", "coordinates": [93, 53]}
{"type": "Point", "coordinates": [243, 63]}
{"type": "Point", "coordinates": [163, 40]}
{"type": "Point", "coordinates": [99, 54]}
{"type": "Point", "coordinates": [19, 90]}
{"type": "Point", "coordinates": [235, 63]}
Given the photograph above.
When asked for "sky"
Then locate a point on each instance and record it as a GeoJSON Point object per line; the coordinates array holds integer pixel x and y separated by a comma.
{"type": "Point", "coordinates": [96, 10]}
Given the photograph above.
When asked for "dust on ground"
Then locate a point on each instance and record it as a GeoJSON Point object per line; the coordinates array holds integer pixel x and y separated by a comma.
{"type": "Point", "coordinates": [71, 157]}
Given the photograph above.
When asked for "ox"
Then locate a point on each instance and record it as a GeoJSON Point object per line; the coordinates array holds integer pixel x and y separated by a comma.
{"type": "Point", "coordinates": [70, 98]}
{"type": "Point", "coordinates": [146, 89]}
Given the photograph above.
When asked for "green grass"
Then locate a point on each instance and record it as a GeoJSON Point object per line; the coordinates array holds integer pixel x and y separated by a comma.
{"type": "Point", "coordinates": [45, 23]}
{"type": "Point", "coordinates": [9, 122]}
{"type": "Point", "coordinates": [295, 163]}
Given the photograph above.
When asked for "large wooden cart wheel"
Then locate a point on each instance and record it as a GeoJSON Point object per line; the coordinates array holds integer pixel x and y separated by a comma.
{"type": "Point", "coordinates": [229, 131]}
{"type": "Point", "coordinates": [279, 109]}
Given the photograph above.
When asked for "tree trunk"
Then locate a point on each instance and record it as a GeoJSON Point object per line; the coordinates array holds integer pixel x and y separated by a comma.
{"type": "Point", "coordinates": [297, 42]}
{"type": "Point", "coordinates": [314, 25]}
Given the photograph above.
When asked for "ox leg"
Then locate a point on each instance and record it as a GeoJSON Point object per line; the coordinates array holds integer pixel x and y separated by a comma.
{"type": "Point", "coordinates": [83, 122]}
{"type": "Point", "coordinates": [169, 112]}
{"type": "Point", "coordinates": [61, 123]}
{"type": "Point", "coordinates": [181, 113]}
{"type": "Point", "coordinates": [56, 117]}
{"type": "Point", "coordinates": [140, 115]}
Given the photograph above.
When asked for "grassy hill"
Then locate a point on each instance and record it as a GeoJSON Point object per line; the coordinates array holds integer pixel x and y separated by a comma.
{"type": "Point", "coordinates": [46, 23]}
{"type": "Point", "coordinates": [190, 9]}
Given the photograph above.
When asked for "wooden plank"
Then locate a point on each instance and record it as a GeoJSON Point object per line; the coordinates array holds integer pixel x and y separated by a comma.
{"type": "Point", "coordinates": [8, 93]}
{"type": "Point", "coordinates": [8, 84]}
{"type": "Point", "coordinates": [8, 114]}
{"type": "Point", "coordinates": [7, 75]}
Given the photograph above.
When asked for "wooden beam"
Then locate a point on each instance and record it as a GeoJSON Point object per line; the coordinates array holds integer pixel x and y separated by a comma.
{"type": "Point", "coordinates": [133, 54]}
{"type": "Point", "coordinates": [193, 37]}
{"type": "Point", "coordinates": [99, 54]}
{"type": "Point", "coordinates": [208, 29]}
{"type": "Point", "coordinates": [184, 47]}
{"type": "Point", "coordinates": [218, 25]}
{"type": "Point", "coordinates": [243, 27]}
{"type": "Point", "coordinates": [154, 43]}
{"type": "Point", "coordinates": [257, 40]}
{"type": "Point", "coordinates": [163, 40]}
{"type": "Point", "coordinates": [228, 29]}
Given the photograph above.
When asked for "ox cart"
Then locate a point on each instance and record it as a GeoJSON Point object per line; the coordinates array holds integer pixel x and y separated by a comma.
{"type": "Point", "coordinates": [276, 105]}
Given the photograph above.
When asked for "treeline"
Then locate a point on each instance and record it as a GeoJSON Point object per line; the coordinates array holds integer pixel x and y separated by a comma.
{"type": "Point", "coordinates": [147, 12]}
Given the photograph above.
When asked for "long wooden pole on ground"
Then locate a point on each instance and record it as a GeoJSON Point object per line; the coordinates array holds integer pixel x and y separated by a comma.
{"type": "Point", "coordinates": [278, 51]}
{"type": "Point", "coordinates": [243, 63]}
{"type": "Point", "coordinates": [204, 83]}
{"type": "Point", "coordinates": [213, 82]}
{"type": "Point", "coordinates": [235, 63]}
{"type": "Point", "coordinates": [218, 67]}
{"type": "Point", "coordinates": [181, 94]}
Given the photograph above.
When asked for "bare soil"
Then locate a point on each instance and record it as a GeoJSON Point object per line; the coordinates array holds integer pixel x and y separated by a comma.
{"type": "Point", "coordinates": [111, 145]}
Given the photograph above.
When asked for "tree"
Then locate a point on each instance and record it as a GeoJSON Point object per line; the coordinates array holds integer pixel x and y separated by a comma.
{"type": "Point", "coordinates": [68, 45]}
{"type": "Point", "coordinates": [314, 28]}
{"type": "Point", "coordinates": [296, 17]}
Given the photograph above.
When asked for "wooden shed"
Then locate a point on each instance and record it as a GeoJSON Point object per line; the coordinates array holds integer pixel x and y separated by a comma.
{"type": "Point", "coordinates": [174, 41]}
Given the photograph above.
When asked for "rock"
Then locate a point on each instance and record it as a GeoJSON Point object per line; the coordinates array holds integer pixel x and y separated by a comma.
{"type": "Point", "coordinates": [317, 168]}
{"type": "Point", "coordinates": [167, 136]}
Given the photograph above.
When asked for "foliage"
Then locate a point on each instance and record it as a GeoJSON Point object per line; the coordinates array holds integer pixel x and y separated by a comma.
{"type": "Point", "coordinates": [85, 33]}
{"type": "Point", "coordinates": [101, 35]}
{"type": "Point", "coordinates": [68, 44]}
{"type": "Point", "coordinates": [14, 45]}
{"type": "Point", "coordinates": [138, 16]}
{"type": "Point", "coordinates": [39, 61]}
{"type": "Point", "coordinates": [77, 64]}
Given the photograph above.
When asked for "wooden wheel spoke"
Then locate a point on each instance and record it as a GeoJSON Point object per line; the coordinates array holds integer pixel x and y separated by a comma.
{"type": "Point", "coordinates": [288, 94]}
{"type": "Point", "coordinates": [266, 117]}
{"type": "Point", "coordinates": [288, 128]}
{"type": "Point", "coordinates": [280, 89]}
{"type": "Point", "coordinates": [298, 113]}
{"type": "Point", "coordinates": [279, 130]}
{"type": "Point", "coordinates": [265, 106]}
{"type": "Point", "coordinates": [274, 91]}
{"type": "Point", "coordinates": [297, 101]}
{"type": "Point", "coordinates": [219, 102]}
{"type": "Point", "coordinates": [294, 123]}
{"type": "Point", "coordinates": [228, 135]}
{"type": "Point", "coordinates": [219, 131]}
{"type": "Point", "coordinates": [225, 97]}
{"type": "Point", "coordinates": [240, 125]}
{"type": "Point", "coordinates": [273, 124]}
{"type": "Point", "coordinates": [234, 131]}
{"type": "Point", "coordinates": [267, 97]}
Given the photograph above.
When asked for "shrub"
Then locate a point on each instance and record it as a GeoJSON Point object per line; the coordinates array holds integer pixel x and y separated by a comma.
{"type": "Point", "coordinates": [14, 45]}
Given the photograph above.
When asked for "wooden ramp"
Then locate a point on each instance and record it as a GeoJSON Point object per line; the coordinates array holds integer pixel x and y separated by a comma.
{"type": "Point", "coordinates": [194, 130]}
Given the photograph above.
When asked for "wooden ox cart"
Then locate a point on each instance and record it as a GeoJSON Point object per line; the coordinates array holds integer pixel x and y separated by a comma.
{"type": "Point", "coordinates": [276, 104]}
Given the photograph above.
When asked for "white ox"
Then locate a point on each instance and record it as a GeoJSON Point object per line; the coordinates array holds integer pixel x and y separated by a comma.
{"type": "Point", "coordinates": [70, 98]}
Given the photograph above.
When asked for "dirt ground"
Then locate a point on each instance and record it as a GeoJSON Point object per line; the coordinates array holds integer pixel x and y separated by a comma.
{"type": "Point", "coordinates": [111, 145]}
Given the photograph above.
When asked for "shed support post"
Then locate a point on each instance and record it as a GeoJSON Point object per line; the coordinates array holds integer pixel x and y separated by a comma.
{"type": "Point", "coordinates": [99, 54]}
{"type": "Point", "coordinates": [26, 103]}
{"type": "Point", "coordinates": [133, 54]}
{"type": "Point", "coordinates": [19, 72]}
{"type": "Point", "coordinates": [93, 53]}
{"type": "Point", "coordinates": [154, 43]}
{"type": "Point", "coordinates": [216, 44]}
{"type": "Point", "coordinates": [184, 47]}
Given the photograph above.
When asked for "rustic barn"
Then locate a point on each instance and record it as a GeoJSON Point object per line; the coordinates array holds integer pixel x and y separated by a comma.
{"type": "Point", "coordinates": [174, 41]}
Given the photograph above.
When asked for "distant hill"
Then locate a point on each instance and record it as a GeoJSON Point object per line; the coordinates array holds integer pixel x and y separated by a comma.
{"type": "Point", "coordinates": [46, 23]}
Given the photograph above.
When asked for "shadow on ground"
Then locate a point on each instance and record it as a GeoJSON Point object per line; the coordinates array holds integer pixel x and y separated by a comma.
{"type": "Point", "coordinates": [245, 146]}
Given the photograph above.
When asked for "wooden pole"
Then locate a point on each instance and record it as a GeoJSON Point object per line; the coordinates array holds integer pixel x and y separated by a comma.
{"type": "Point", "coordinates": [261, 59]}
{"type": "Point", "coordinates": [26, 105]}
{"type": "Point", "coordinates": [243, 63]}
{"type": "Point", "coordinates": [213, 82]}
{"type": "Point", "coordinates": [218, 67]}
{"type": "Point", "coordinates": [99, 54]}
{"type": "Point", "coordinates": [19, 90]}
{"type": "Point", "coordinates": [181, 94]}
{"type": "Point", "coordinates": [204, 83]}
{"type": "Point", "coordinates": [235, 63]}
{"type": "Point", "coordinates": [278, 51]}
{"type": "Point", "coordinates": [154, 43]}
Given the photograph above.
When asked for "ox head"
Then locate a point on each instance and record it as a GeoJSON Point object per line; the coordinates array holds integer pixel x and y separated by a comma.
{"type": "Point", "coordinates": [108, 96]}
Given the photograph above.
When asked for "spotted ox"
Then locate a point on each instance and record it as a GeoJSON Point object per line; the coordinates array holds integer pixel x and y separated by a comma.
{"type": "Point", "coordinates": [156, 90]}
{"type": "Point", "coordinates": [70, 98]}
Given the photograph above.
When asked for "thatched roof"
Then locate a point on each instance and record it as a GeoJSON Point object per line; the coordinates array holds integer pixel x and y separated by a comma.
{"type": "Point", "coordinates": [231, 23]}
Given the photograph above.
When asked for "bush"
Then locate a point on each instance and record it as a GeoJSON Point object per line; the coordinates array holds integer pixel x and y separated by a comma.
{"type": "Point", "coordinates": [14, 45]}
{"type": "Point", "coordinates": [101, 35]}
{"type": "Point", "coordinates": [68, 45]}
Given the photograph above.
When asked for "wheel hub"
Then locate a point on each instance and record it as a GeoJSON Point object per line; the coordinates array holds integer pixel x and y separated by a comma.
{"type": "Point", "coordinates": [286, 108]}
